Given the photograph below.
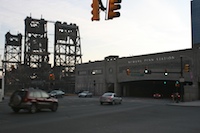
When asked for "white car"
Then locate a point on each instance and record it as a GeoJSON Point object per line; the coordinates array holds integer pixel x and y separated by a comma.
{"type": "Point", "coordinates": [110, 98]}
{"type": "Point", "coordinates": [85, 94]}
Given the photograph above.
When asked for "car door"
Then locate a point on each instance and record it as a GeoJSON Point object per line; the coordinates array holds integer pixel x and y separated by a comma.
{"type": "Point", "coordinates": [38, 98]}
{"type": "Point", "coordinates": [46, 100]}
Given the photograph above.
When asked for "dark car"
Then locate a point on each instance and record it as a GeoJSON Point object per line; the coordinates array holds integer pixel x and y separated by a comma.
{"type": "Point", "coordinates": [110, 98]}
{"type": "Point", "coordinates": [32, 100]}
{"type": "Point", "coordinates": [57, 93]}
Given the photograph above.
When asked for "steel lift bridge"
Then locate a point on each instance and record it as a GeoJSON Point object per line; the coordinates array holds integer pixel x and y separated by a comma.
{"type": "Point", "coordinates": [35, 68]}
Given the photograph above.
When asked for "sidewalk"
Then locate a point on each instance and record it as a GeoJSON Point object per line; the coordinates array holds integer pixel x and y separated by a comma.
{"type": "Point", "coordinates": [187, 104]}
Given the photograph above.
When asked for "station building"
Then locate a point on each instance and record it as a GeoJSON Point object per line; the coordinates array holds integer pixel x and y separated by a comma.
{"type": "Point", "coordinates": [142, 76]}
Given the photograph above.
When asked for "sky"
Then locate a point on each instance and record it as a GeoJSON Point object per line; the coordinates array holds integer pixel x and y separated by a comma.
{"type": "Point", "coordinates": [144, 27]}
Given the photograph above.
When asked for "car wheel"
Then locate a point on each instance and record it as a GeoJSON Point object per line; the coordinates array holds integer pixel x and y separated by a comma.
{"type": "Point", "coordinates": [16, 100]}
{"type": "Point", "coordinates": [54, 107]}
{"type": "Point", "coordinates": [33, 109]}
{"type": "Point", "coordinates": [16, 110]}
{"type": "Point", "coordinates": [101, 103]}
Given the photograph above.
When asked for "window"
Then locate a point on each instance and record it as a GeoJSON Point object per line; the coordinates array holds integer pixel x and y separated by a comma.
{"type": "Point", "coordinates": [31, 94]}
{"type": "Point", "coordinates": [37, 94]}
{"type": "Point", "coordinates": [44, 94]}
{"type": "Point", "coordinates": [97, 71]}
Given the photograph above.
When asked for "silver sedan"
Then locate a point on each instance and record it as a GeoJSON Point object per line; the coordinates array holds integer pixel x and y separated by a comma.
{"type": "Point", "coordinates": [110, 98]}
{"type": "Point", "coordinates": [85, 94]}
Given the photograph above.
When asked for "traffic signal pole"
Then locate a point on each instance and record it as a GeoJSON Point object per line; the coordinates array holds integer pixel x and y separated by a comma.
{"type": "Point", "coordinates": [181, 80]}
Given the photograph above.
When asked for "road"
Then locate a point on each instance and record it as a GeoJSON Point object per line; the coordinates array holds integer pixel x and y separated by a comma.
{"type": "Point", "coordinates": [86, 115]}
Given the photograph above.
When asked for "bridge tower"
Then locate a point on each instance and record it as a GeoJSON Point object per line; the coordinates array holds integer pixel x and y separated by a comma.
{"type": "Point", "coordinates": [13, 50]}
{"type": "Point", "coordinates": [12, 58]}
{"type": "Point", "coordinates": [36, 43]}
{"type": "Point", "coordinates": [67, 53]}
{"type": "Point", "coordinates": [67, 47]}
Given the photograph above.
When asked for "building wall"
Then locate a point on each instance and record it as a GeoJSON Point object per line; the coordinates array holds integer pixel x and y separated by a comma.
{"type": "Point", "coordinates": [90, 76]}
{"type": "Point", "coordinates": [110, 73]}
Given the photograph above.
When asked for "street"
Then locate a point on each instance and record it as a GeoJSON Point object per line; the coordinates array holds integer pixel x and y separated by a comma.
{"type": "Point", "coordinates": [86, 115]}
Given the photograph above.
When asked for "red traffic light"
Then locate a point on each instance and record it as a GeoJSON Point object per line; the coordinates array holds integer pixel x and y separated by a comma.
{"type": "Point", "coordinates": [51, 76]}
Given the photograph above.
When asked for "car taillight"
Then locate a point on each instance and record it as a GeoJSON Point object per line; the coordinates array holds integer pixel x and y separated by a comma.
{"type": "Point", "coordinates": [110, 97]}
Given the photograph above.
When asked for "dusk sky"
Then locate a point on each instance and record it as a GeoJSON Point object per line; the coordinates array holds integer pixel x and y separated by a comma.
{"type": "Point", "coordinates": [144, 27]}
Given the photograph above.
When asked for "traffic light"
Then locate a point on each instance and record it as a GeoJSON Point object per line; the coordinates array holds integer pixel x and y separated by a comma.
{"type": "Point", "coordinates": [165, 73]}
{"type": "Point", "coordinates": [51, 76]}
{"type": "Point", "coordinates": [177, 84]}
{"type": "Point", "coordinates": [112, 7]}
{"type": "Point", "coordinates": [95, 10]}
{"type": "Point", "coordinates": [128, 71]}
{"type": "Point", "coordinates": [187, 68]}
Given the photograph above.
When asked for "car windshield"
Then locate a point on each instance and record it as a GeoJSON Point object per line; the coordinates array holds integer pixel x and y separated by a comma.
{"type": "Point", "coordinates": [107, 94]}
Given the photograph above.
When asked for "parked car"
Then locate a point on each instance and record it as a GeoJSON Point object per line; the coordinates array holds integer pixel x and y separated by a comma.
{"type": "Point", "coordinates": [32, 100]}
{"type": "Point", "coordinates": [85, 94]}
{"type": "Point", "coordinates": [157, 95]}
{"type": "Point", "coordinates": [57, 93]}
{"type": "Point", "coordinates": [110, 98]}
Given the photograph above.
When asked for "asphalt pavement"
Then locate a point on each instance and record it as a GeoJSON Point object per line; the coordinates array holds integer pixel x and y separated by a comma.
{"type": "Point", "coordinates": [86, 115]}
